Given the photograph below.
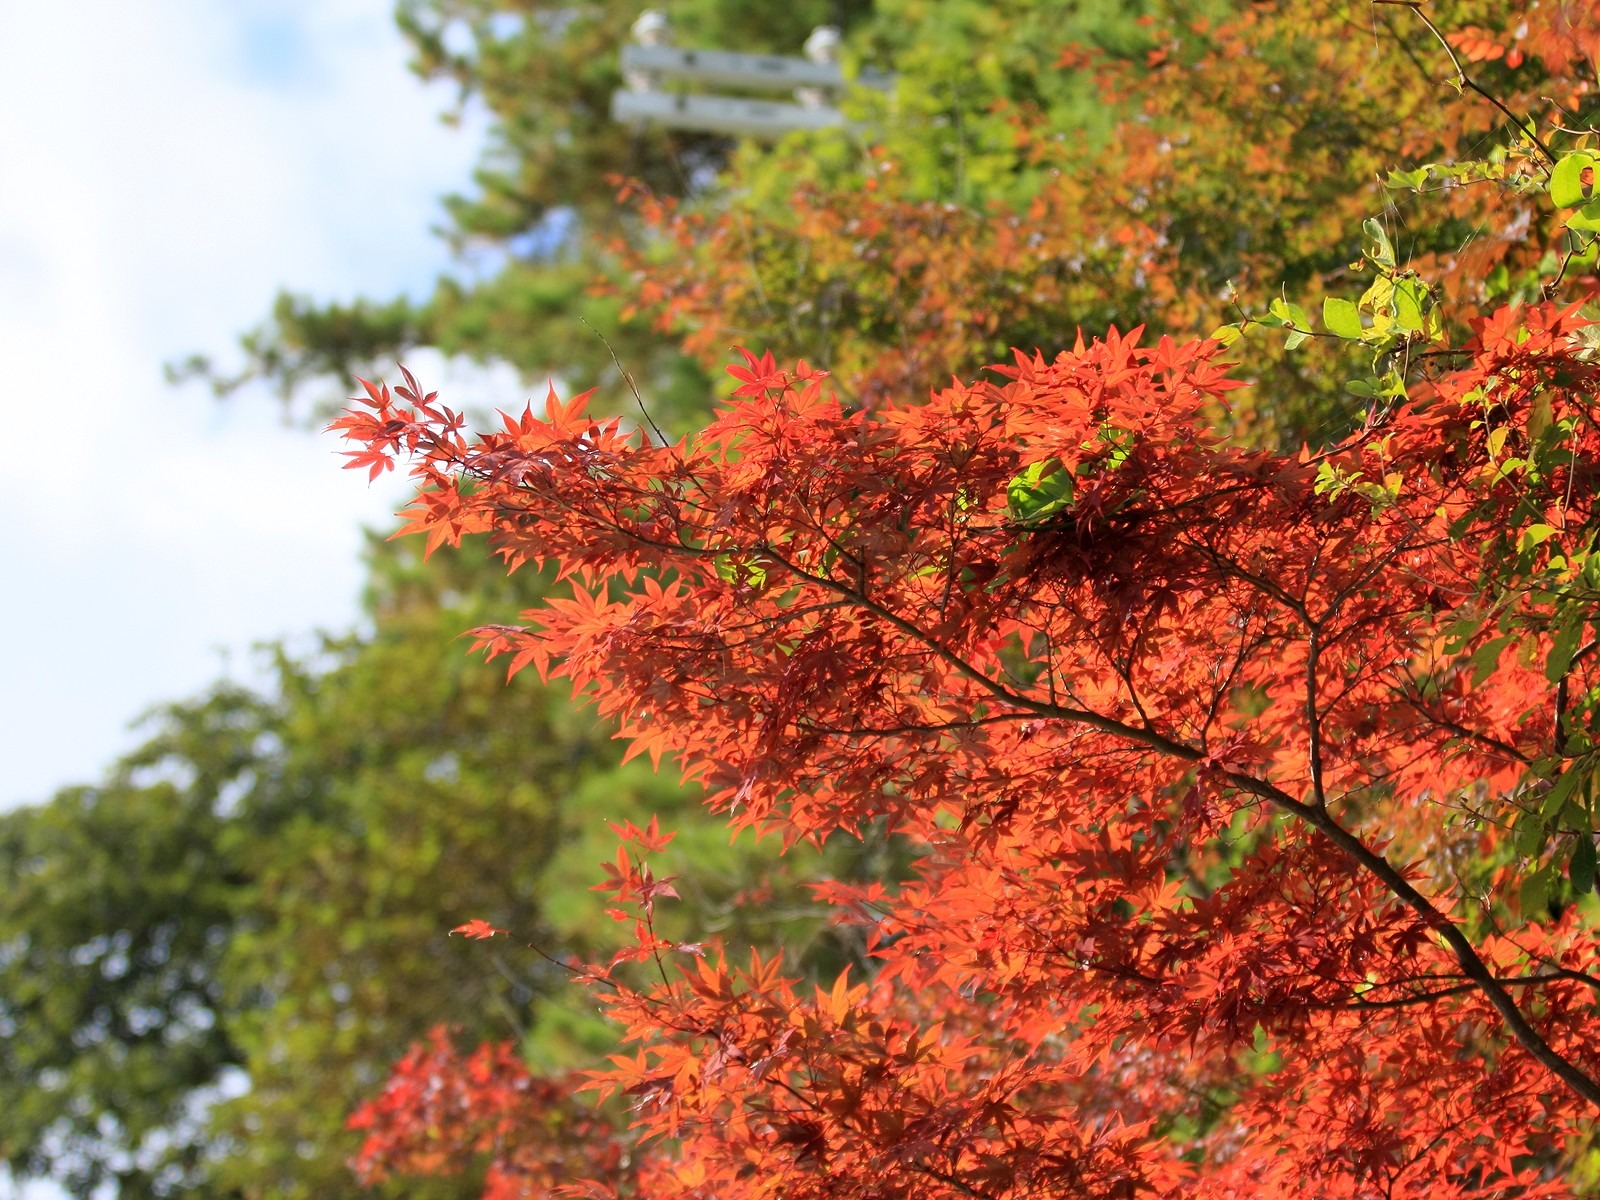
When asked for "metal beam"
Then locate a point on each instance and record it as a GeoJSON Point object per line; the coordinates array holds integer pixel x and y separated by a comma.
{"type": "Point", "coordinates": [720, 114]}
{"type": "Point", "coordinates": [743, 70]}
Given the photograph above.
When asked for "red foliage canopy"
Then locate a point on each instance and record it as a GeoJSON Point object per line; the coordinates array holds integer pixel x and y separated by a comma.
{"type": "Point", "coordinates": [1224, 765]}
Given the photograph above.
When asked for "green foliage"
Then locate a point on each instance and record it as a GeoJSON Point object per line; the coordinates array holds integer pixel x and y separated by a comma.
{"type": "Point", "coordinates": [544, 202]}
{"type": "Point", "coordinates": [1043, 490]}
{"type": "Point", "coordinates": [1567, 186]}
{"type": "Point", "coordinates": [304, 342]}
{"type": "Point", "coordinates": [967, 68]}
{"type": "Point", "coordinates": [546, 71]}
{"type": "Point", "coordinates": [115, 914]}
{"type": "Point", "coordinates": [264, 887]}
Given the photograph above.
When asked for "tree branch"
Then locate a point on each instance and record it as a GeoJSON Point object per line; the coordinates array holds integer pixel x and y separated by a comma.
{"type": "Point", "coordinates": [1472, 966]}
{"type": "Point", "coordinates": [1466, 81]}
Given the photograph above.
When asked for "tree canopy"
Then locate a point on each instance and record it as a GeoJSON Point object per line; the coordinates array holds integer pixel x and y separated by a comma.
{"type": "Point", "coordinates": [542, 204]}
{"type": "Point", "coordinates": [1178, 171]}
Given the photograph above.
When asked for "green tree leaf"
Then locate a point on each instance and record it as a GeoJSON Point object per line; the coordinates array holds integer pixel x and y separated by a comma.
{"type": "Point", "coordinates": [1567, 189]}
{"type": "Point", "coordinates": [1534, 894]}
{"type": "Point", "coordinates": [1378, 247]}
{"type": "Point", "coordinates": [1563, 646]}
{"type": "Point", "coordinates": [1407, 181]}
{"type": "Point", "coordinates": [1040, 492]}
{"type": "Point", "coordinates": [1342, 318]}
{"type": "Point", "coordinates": [1581, 867]}
{"type": "Point", "coordinates": [1410, 298]}
{"type": "Point", "coordinates": [1586, 219]}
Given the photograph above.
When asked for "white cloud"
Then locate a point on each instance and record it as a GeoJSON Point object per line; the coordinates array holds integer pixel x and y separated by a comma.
{"type": "Point", "coordinates": [165, 167]}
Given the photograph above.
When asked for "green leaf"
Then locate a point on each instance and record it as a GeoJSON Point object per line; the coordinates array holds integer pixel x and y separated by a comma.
{"type": "Point", "coordinates": [1580, 869]}
{"type": "Point", "coordinates": [1535, 535]}
{"type": "Point", "coordinates": [1407, 181]}
{"type": "Point", "coordinates": [1378, 298]}
{"type": "Point", "coordinates": [1540, 415]}
{"type": "Point", "coordinates": [1296, 338]}
{"type": "Point", "coordinates": [737, 571]}
{"type": "Point", "coordinates": [1226, 334]}
{"type": "Point", "coordinates": [1562, 647]}
{"type": "Point", "coordinates": [1535, 894]}
{"type": "Point", "coordinates": [1574, 816]}
{"type": "Point", "coordinates": [1460, 633]}
{"type": "Point", "coordinates": [1556, 798]}
{"type": "Point", "coordinates": [1586, 219]}
{"type": "Point", "coordinates": [1409, 297]}
{"type": "Point", "coordinates": [1342, 318]}
{"type": "Point", "coordinates": [1121, 442]}
{"type": "Point", "coordinates": [1041, 491]}
{"type": "Point", "coordinates": [1566, 181]}
{"type": "Point", "coordinates": [1283, 314]}
{"type": "Point", "coordinates": [1485, 658]}
{"type": "Point", "coordinates": [1530, 835]}
{"type": "Point", "coordinates": [1378, 247]}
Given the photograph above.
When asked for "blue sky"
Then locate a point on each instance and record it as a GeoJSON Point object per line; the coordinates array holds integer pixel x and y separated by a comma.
{"type": "Point", "coordinates": [165, 167]}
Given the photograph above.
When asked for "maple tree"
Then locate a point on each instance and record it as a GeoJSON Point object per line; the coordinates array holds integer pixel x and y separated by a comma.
{"type": "Point", "coordinates": [1196, 739]}
{"type": "Point", "coordinates": [1253, 792]}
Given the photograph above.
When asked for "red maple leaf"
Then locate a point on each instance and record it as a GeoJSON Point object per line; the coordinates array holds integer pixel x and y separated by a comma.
{"type": "Point", "coordinates": [477, 928]}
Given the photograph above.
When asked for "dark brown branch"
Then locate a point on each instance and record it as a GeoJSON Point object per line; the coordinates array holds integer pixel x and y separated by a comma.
{"type": "Point", "coordinates": [1558, 976]}
{"type": "Point", "coordinates": [1319, 796]}
{"type": "Point", "coordinates": [1561, 696]}
{"type": "Point", "coordinates": [1472, 966]}
{"type": "Point", "coordinates": [1397, 1002]}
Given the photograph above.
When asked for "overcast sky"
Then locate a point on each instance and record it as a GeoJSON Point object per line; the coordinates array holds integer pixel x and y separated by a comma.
{"type": "Point", "coordinates": [166, 166]}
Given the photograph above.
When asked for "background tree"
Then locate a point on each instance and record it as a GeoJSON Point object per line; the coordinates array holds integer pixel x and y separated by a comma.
{"type": "Point", "coordinates": [534, 230]}
{"type": "Point", "coordinates": [1229, 159]}
{"type": "Point", "coordinates": [1041, 166]}
{"type": "Point", "coordinates": [257, 901]}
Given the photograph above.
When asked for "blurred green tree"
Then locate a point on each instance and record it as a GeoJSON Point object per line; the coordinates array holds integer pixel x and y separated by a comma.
{"type": "Point", "coordinates": [538, 219]}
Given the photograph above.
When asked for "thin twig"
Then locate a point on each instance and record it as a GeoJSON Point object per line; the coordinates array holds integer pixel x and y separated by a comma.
{"type": "Point", "coordinates": [661, 438]}
{"type": "Point", "coordinates": [1466, 81]}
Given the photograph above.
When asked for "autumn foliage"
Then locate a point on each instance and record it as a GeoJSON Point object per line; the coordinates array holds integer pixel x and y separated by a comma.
{"type": "Point", "coordinates": [1247, 153]}
{"type": "Point", "coordinates": [1253, 794]}
{"type": "Point", "coordinates": [442, 1111]}
{"type": "Point", "coordinates": [1198, 741]}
